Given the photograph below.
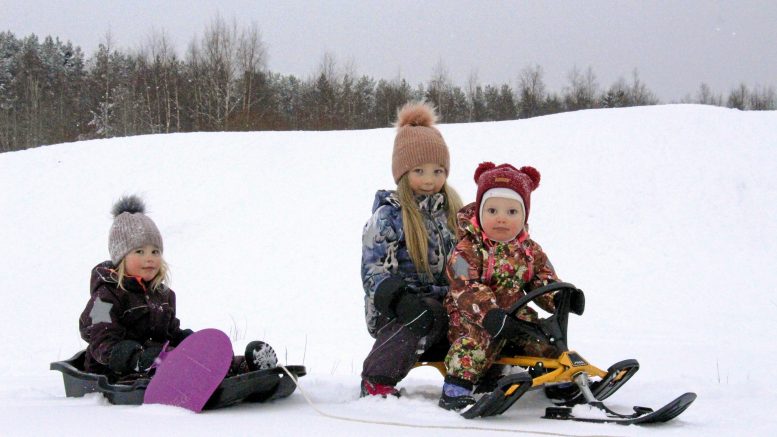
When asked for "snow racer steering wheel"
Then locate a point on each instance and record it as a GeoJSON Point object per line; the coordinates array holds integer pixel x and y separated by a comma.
{"type": "Point", "coordinates": [552, 329]}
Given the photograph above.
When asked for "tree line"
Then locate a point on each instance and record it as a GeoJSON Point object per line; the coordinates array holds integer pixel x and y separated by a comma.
{"type": "Point", "coordinates": [51, 93]}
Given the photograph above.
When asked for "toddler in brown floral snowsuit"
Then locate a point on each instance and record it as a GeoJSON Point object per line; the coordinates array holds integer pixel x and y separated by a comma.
{"type": "Point", "coordinates": [494, 264]}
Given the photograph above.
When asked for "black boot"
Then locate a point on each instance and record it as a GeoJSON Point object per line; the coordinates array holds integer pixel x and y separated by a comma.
{"type": "Point", "coordinates": [260, 356]}
{"type": "Point", "coordinates": [455, 397]}
{"type": "Point", "coordinates": [488, 382]}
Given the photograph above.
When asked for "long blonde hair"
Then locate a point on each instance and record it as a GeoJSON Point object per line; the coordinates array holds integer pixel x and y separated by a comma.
{"type": "Point", "coordinates": [416, 237]}
{"type": "Point", "coordinates": [161, 278]}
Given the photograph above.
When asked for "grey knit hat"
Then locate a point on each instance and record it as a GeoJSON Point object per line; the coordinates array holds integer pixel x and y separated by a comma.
{"type": "Point", "coordinates": [131, 228]}
{"type": "Point", "coordinates": [417, 142]}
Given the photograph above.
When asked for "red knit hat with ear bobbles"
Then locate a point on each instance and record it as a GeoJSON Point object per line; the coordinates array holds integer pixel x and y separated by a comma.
{"type": "Point", "coordinates": [523, 181]}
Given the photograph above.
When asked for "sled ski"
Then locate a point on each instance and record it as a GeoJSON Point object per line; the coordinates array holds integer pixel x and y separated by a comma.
{"type": "Point", "coordinates": [256, 386]}
{"type": "Point", "coordinates": [509, 388]}
{"type": "Point", "coordinates": [641, 416]}
{"type": "Point", "coordinates": [189, 374]}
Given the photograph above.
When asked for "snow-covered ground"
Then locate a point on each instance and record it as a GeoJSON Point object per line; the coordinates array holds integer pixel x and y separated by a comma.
{"type": "Point", "coordinates": [664, 215]}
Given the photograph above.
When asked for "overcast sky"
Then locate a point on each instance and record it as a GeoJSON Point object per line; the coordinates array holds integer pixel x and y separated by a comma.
{"type": "Point", "coordinates": [674, 45]}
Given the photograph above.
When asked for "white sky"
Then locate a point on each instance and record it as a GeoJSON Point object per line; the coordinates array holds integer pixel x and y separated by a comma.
{"type": "Point", "coordinates": [675, 45]}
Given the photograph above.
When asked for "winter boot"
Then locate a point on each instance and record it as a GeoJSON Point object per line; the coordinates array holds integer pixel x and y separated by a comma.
{"type": "Point", "coordinates": [455, 397]}
{"type": "Point", "coordinates": [488, 382]}
{"type": "Point", "coordinates": [260, 356]}
{"type": "Point", "coordinates": [374, 389]}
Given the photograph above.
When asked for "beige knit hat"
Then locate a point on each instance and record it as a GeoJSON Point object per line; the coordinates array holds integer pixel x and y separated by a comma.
{"type": "Point", "coordinates": [418, 141]}
{"type": "Point", "coordinates": [131, 229]}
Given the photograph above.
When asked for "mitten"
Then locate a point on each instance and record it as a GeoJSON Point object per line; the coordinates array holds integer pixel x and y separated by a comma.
{"type": "Point", "coordinates": [576, 301]}
{"type": "Point", "coordinates": [577, 304]}
{"type": "Point", "coordinates": [147, 356]}
{"type": "Point", "coordinates": [414, 313]}
{"type": "Point", "coordinates": [387, 295]}
{"type": "Point", "coordinates": [500, 324]}
{"type": "Point", "coordinates": [124, 357]}
{"type": "Point", "coordinates": [175, 340]}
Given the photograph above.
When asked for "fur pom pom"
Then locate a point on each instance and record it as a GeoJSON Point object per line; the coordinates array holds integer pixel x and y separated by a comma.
{"type": "Point", "coordinates": [416, 114]}
{"type": "Point", "coordinates": [482, 168]}
{"type": "Point", "coordinates": [533, 174]}
{"type": "Point", "coordinates": [131, 204]}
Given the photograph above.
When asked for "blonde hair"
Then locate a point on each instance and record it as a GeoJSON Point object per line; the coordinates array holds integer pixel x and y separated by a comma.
{"type": "Point", "coordinates": [416, 237]}
{"type": "Point", "coordinates": [161, 278]}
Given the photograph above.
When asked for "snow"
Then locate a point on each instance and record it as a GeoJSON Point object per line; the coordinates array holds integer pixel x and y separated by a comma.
{"type": "Point", "coordinates": [664, 215]}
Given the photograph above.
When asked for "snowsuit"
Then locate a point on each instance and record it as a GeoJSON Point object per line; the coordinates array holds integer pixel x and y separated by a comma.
{"type": "Point", "coordinates": [113, 315]}
{"type": "Point", "coordinates": [384, 254]}
{"type": "Point", "coordinates": [484, 275]}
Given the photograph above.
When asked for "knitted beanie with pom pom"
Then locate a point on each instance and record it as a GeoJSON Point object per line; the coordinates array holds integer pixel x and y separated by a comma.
{"type": "Point", "coordinates": [417, 142]}
{"type": "Point", "coordinates": [522, 181]}
{"type": "Point", "coordinates": [131, 229]}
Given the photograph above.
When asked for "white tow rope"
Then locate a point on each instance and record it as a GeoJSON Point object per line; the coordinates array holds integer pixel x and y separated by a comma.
{"type": "Point", "coordinates": [411, 425]}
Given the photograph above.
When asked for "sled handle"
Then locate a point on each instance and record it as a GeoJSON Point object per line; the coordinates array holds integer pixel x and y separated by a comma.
{"type": "Point", "coordinates": [539, 292]}
{"type": "Point", "coordinates": [554, 328]}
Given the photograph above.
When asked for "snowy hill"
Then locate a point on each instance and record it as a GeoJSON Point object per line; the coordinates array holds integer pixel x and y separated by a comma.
{"type": "Point", "coordinates": [664, 215]}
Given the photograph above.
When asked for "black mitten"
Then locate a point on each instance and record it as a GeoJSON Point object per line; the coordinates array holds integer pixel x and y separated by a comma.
{"type": "Point", "coordinates": [387, 295]}
{"type": "Point", "coordinates": [414, 313]}
{"type": "Point", "coordinates": [175, 340]}
{"type": "Point", "coordinates": [500, 324]}
{"type": "Point", "coordinates": [147, 357]}
{"type": "Point", "coordinates": [124, 357]}
{"type": "Point", "coordinates": [576, 301]}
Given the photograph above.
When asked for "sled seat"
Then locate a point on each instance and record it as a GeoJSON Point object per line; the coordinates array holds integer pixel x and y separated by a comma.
{"type": "Point", "coordinates": [256, 386]}
{"type": "Point", "coordinates": [78, 382]}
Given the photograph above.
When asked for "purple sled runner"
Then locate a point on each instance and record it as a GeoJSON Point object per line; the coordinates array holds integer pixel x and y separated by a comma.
{"type": "Point", "coordinates": [189, 374]}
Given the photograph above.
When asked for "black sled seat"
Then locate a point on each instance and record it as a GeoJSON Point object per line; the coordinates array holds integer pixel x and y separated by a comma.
{"type": "Point", "coordinates": [78, 383]}
{"type": "Point", "coordinates": [257, 386]}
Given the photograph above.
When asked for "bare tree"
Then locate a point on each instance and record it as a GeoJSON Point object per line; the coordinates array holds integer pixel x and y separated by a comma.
{"type": "Point", "coordinates": [216, 60]}
{"type": "Point", "coordinates": [531, 92]}
{"type": "Point", "coordinates": [161, 59]}
{"type": "Point", "coordinates": [739, 98]}
{"type": "Point", "coordinates": [638, 94]}
{"type": "Point", "coordinates": [762, 99]}
{"type": "Point", "coordinates": [581, 91]}
{"type": "Point", "coordinates": [705, 96]}
{"type": "Point", "coordinates": [439, 89]}
{"type": "Point", "coordinates": [252, 59]}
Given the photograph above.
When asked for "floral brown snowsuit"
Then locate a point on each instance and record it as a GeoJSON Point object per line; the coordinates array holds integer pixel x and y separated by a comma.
{"type": "Point", "coordinates": [484, 275]}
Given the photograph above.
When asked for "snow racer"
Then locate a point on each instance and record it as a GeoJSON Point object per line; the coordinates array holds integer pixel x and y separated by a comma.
{"type": "Point", "coordinates": [567, 380]}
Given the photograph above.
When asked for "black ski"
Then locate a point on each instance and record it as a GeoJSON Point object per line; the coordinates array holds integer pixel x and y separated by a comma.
{"type": "Point", "coordinates": [509, 388]}
{"type": "Point", "coordinates": [641, 416]}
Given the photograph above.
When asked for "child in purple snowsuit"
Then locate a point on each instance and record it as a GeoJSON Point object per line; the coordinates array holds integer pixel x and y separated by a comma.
{"type": "Point", "coordinates": [131, 312]}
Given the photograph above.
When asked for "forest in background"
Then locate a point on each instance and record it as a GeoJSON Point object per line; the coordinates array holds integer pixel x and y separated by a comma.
{"type": "Point", "coordinates": [50, 92]}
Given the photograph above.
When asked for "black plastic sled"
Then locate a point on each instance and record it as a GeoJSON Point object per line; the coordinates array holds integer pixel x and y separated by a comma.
{"type": "Point", "coordinates": [257, 386]}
